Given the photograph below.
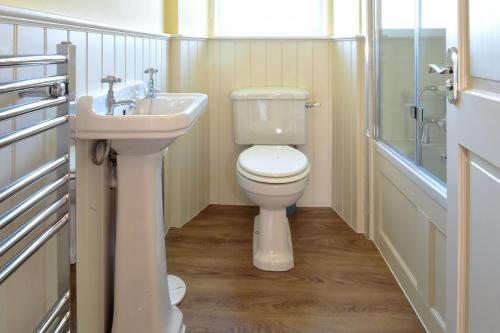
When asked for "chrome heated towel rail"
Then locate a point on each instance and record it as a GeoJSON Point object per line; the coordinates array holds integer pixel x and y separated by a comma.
{"type": "Point", "coordinates": [44, 210]}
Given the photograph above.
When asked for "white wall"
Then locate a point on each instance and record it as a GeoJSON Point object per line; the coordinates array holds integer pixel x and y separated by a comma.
{"type": "Point", "coordinates": [193, 18]}
{"type": "Point", "coordinates": [34, 285]}
{"type": "Point", "coordinates": [145, 15]}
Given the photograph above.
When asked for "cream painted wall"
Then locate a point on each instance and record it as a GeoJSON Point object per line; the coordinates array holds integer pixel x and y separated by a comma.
{"type": "Point", "coordinates": [187, 17]}
{"type": "Point", "coordinates": [171, 16]}
{"type": "Point", "coordinates": [145, 15]}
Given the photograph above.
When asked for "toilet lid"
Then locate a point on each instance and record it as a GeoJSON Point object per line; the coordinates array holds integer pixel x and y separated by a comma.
{"type": "Point", "coordinates": [273, 180]}
{"type": "Point", "coordinates": [273, 161]}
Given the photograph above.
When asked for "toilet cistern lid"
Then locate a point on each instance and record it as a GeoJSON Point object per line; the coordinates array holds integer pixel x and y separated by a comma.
{"type": "Point", "coordinates": [273, 161]}
{"type": "Point", "coordinates": [270, 93]}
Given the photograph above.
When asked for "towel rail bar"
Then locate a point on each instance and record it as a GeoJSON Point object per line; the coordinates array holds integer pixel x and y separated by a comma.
{"type": "Point", "coordinates": [51, 202]}
{"type": "Point", "coordinates": [31, 202]}
{"type": "Point", "coordinates": [19, 110]}
{"type": "Point", "coordinates": [31, 248]}
{"type": "Point", "coordinates": [31, 178]}
{"type": "Point", "coordinates": [63, 325]}
{"type": "Point", "coordinates": [14, 238]}
{"type": "Point", "coordinates": [32, 130]}
{"type": "Point", "coordinates": [31, 60]}
{"type": "Point", "coordinates": [52, 315]}
{"type": "Point", "coordinates": [20, 85]}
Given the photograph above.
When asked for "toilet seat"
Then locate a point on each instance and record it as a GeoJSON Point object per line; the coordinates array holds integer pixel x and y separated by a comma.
{"type": "Point", "coordinates": [273, 164]}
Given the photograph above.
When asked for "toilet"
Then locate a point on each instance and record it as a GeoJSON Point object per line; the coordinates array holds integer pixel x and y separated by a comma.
{"type": "Point", "coordinates": [272, 173]}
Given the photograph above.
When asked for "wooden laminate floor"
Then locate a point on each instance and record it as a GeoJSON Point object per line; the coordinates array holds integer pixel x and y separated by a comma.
{"type": "Point", "coordinates": [340, 282]}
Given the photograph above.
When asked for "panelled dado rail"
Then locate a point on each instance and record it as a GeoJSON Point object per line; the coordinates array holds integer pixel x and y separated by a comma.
{"type": "Point", "coordinates": [50, 202]}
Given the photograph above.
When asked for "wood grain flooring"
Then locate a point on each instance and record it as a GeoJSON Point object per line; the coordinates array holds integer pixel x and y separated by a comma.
{"type": "Point", "coordinates": [340, 282]}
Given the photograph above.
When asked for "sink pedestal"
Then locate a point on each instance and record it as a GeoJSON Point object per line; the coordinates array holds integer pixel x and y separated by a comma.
{"type": "Point", "coordinates": [141, 300]}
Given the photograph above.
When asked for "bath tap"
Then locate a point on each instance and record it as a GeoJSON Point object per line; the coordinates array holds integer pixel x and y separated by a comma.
{"type": "Point", "coordinates": [441, 124]}
{"type": "Point", "coordinates": [425, 132]}
{"type": "Point", "coordinates": [111, 102]}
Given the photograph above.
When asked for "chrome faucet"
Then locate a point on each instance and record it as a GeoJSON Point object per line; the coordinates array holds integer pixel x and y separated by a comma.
{"type": "Point", "coordinates": [426, 126]}
{"type": "Point", "coordinates": [111, 102]}
{"type": "Point", "coordinates": [425, 132]}
{"type": "Point", "coordinates": [152, 90]}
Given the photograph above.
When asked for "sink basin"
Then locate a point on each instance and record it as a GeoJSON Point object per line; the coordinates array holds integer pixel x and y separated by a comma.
{"type": "Point", "coordinates": [153, 125]}
{"type": "Point", "coordinates": [139, 136]}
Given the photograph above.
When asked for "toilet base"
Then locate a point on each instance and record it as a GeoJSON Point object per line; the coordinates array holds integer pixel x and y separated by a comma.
{"type": "Point", "coordinates": [272, 241]}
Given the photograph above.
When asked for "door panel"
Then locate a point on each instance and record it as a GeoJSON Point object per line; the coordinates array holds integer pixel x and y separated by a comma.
{"type": "Point", "coordinates": [473, 248]}
{"type": "Point", "coordinates": [473, 219]}
{"type": "Point", "coordinates": [483, 249]}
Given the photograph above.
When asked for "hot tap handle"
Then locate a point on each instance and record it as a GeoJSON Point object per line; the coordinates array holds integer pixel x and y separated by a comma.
{"type": "Point", "coordinates": [111, 80]}
{"type": "Point", "coordinates": [151, 71]}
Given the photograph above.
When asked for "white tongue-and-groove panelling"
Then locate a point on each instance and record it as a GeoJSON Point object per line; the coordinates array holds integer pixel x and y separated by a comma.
{"type": "Point", "coordinates": [331, 70]}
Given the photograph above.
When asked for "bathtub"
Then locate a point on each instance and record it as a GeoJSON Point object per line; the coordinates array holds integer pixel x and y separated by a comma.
{"type": "Point", "coordinates": [409, 224]}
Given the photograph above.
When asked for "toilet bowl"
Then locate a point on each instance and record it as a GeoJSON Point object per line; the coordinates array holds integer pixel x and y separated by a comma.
{"type": "Point", "coordinates": [274, 178]}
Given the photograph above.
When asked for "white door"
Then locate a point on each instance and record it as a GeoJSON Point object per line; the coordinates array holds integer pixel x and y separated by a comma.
{"type": "Point", "coordinates": [473, 251]}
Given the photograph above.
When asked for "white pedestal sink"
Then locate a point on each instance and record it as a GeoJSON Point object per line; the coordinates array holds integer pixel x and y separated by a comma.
{"type": "Point", "coordinates": [142, 302]}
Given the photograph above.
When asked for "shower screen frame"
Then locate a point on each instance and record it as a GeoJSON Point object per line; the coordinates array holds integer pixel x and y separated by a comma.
{"type": "Point", "coordinates": [414, 110]}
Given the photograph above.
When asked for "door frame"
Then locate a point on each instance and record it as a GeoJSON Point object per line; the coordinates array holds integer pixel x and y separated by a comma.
{"type": "Point", "coordinates": [456, 282]}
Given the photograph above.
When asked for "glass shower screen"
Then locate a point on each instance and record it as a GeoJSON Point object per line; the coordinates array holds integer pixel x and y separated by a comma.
{"type": "Point", "coordinates": [412, 102]}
